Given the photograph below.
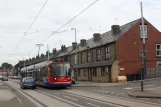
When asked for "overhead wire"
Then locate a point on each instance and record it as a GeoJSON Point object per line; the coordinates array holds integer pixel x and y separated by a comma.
{"type": "Point", "coordinates": [70, 20]}
{"type": "Point", "coordinates": [66, 23]}
{"type": "Point", "coordinates": [30, 26]}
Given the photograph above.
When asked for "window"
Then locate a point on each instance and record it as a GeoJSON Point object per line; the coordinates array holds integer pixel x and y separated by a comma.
{"type": "Point", "coordinates": [88, 56]}
{"type": "Point", "coordinates": [158, 49]}
{"type": "Point", "coordinates": [145, 31]}
{"type": "Point", "coordinates": [75, 59]}
{"type": "Point", "coordinates": [98, 54]}
{"type": "Point", "coordinates": [43, 70]}
{"type": "Point", "coordinates": [78, 72]}
{"type": "Point", "coordinates": [84, 72]}
{"type": "Point", "coordinates": [94, 72]}
{"type": "Point", "coordinates": [107, 50]}
{"type": "Point", "coordinates": [82, 58]}
{"type": "Point", "coordinates": [104, 71]}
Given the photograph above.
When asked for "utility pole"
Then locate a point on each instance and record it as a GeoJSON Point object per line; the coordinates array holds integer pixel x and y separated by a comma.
{"type": "Point", "coordinates": [39, 45]}
{"type": "Point", "coordinates": [144, 49]}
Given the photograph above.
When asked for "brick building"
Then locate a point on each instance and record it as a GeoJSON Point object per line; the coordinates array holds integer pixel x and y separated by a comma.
{"type": "Point", "coordinates": [115, 53]}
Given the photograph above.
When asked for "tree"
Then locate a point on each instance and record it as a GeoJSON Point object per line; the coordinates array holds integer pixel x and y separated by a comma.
{"type": "Point", "coordinates": [7, 65]}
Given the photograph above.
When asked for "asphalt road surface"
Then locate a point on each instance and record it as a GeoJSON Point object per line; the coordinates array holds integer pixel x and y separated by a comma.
{"type": "Point", "coordinates": [113, 96]}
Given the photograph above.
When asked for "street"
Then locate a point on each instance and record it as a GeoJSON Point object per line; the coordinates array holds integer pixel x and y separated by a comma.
{"type": "Point", "coordinates": [76, 96]}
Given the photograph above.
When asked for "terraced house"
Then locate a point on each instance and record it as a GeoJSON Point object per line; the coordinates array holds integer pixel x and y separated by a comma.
{"type": "Point", "coordinates": [115, 53]}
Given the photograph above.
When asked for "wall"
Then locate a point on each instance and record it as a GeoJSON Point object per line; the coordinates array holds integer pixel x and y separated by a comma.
{"type": "Point", "coordinates": [115, 71]}
{"type": "Point", "coordinates": [130, 44]}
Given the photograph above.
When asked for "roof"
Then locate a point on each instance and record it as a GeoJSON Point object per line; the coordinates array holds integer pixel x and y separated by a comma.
{"type": "Point", "coordinates": [106, 37]}
{"type": "Point", "coordinates": [66, 52]}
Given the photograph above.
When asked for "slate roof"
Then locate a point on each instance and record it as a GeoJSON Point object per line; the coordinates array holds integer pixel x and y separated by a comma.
{"type": "Point", "coordinates": [66, 52]}
{"type": "Point", "coordinates": [106, 37]}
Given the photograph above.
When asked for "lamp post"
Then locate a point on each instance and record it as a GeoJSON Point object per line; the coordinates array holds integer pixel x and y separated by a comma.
{"type": "Point", "coordinates": [75, 33]}
{"type": "Point", "coordinates": [39, 45]}
{"type": "Point", "coordinates": [76, 52]}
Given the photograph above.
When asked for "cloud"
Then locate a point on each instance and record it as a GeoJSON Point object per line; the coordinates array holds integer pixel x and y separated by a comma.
{"type": "Point", "coordinates": [17, 15]}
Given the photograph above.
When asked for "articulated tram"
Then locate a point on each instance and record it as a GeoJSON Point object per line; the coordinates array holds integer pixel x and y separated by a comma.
{"type": "Point", "coordinates": [50, 73]}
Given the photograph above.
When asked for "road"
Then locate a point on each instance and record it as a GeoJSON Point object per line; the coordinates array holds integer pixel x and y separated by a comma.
{"type": "Point", "coordinates": [122, 90]}
{"type": "Point", "coordinates": [79, 97]}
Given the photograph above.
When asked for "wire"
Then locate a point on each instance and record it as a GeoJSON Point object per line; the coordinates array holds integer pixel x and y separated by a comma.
{"type": "Point", "coordinates": [30, 25]}
{"type": "Point", "coordinates": [66, 23]}
{"type": "Point", "coordinates": [70, 20]}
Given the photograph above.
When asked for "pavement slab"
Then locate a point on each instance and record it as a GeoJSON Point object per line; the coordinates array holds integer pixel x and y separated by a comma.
{"type": "Point", "coordinates": [6, 95]}
{"type": "Point", "coordinates": [148, 93]}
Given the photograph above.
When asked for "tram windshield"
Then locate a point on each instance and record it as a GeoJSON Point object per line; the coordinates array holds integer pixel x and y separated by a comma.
{"type": "Point", "coordinates": [61, 69]}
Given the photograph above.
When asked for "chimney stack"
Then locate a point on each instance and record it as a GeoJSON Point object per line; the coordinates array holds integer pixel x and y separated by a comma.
{"type": "Point", "coordinates": [54, 51]}
{"type": "Point", "coordinates": [83, 42]}
{"type": "Point", "coordinates": [96, 37]}
{"type": "Point", "coordinates": [74, 45]}
{"type": "Point", "coordinates": [63, 48]}
{"type": "Point", "coordinates": [115, 29]}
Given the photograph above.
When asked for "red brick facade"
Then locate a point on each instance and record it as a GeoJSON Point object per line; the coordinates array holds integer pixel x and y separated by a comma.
{"type": "Point", "coordinates": [130, 44]}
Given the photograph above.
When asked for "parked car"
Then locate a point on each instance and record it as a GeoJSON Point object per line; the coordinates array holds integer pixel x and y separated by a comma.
{"type": "Point", "coordinates": [4, 78]}
{"type": "Point", "coordinates": [28, 82]}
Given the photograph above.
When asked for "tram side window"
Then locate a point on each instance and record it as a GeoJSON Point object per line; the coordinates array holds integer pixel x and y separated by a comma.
{"type": "Point", "coordinates": [39, 72]}
{"type": "Point", "coordinates": [43, 70]}
{"type": "Point", "coordinates": [49, 71]}
{"type": "Point", "coordinates": [38, 76]}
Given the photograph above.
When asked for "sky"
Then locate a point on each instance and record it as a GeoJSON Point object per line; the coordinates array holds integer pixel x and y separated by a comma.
{"type": "Point", "coordinates": [17, 15]}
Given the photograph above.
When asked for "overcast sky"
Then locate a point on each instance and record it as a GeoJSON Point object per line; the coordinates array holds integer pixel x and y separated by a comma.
{"type": "Point", "coordinates": [17, 15]}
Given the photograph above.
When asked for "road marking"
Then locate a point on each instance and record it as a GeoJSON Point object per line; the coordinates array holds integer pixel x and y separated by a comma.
{"type": "Point", "coordinates": [93, 104]}
{"type": "Point", "coordinates": [128, 88]}
{"type": "Point", "coordinates": [17, 97]}
{"type": "Point", "coordinates": [31, 99]}
{"type": "Point", "coordinates": [61, 99]}
{"type": "Point", "coordinates": [56, 93]}
{"type": "Point", "coordinates": [108, 103]}
{"type": "Point", "coordinates": [70, 98]}
{"type": "Point", "coordinates": [110, 96]}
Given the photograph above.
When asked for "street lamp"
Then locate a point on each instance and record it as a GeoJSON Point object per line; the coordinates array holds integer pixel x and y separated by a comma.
{"type": "Point", "coordinates": [76, 52]}
{"type": "Point", "coordinates": [75, 33]}
{"type": "Point", "coordinates": [39, 45]}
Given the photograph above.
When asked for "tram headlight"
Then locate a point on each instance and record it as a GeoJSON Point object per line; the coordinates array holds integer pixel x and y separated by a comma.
{"type": "Point", "coordinates": [55, 78]}
{"type": "Point", "coordinates": [68, 78]}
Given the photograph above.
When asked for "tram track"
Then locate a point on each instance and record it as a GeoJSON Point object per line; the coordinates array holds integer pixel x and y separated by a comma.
{"type": "Point", "coordinates": [31, 98]}
{"type": "Point", "coordinates": [68, 97]}
{"type": "Point", "coordinates": [82, 97]}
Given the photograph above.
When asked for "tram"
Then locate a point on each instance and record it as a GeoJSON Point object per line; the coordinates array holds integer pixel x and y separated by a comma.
{"type": "Point", "coordinates": [52, 74]}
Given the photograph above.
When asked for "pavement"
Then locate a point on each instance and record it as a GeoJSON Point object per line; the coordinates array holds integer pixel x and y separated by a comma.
{"type": "Point", "coordinates": [154, 92]}
{"type": "Point", "coordinates": [11, 98]}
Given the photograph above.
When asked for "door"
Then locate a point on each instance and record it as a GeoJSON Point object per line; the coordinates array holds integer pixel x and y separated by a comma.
{"type": "Point", "coordinates": [109, 73]}
{"type": "Point", "coordinates": [89, 74]}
